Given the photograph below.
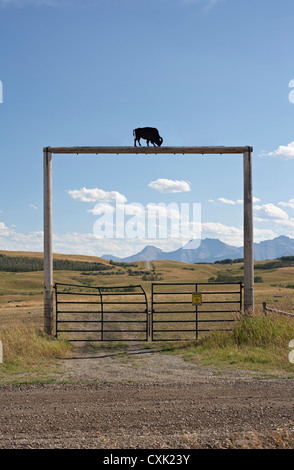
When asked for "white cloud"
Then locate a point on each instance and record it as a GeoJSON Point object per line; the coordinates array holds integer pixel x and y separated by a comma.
{"type": "Point", "coordinates": [269, 212]}
{"type": "Point", "coordinates": [223, 200]}
{"type": "Point", "coordinates": [101, 208]}
{"type": "Point", "coordinates": [96, 194]}
{"type": "Point", "coordinates": [162, 210]}
{"type": "Point", "coordinates": [164, 185]}
{"type": "Point", "coordinates": [133, 209]}
{"type": "Point", "coordinates": [4, 231]}
{"type": "Point", "coordinates": [89, 244]}
{"type": "Point", "coordinates": [33, 206]}
{"type": "Point", "coordinates": [287, 225]}
{"type": "Point", "coordinates": [226, 233]}
{"type": "Point", "coordinates": [153, 220]}
{"type": "Point", "coordinates": [80, 243]}
{"type": "Point", "coordinates": [14, 241]}
{"type": "Point", "coordinates": [260, 235]}
{"type": "Point", "coordinates": [233, 235]}
{"type": "Point", "coordinates": [284, 151]}
{"type": "Point", "coordinates": [226, 201]}
{"type": "Point", "coordinates": [290, 204]}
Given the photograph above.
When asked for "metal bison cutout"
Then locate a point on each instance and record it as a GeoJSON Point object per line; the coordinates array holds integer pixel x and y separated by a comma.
{"type": "Point", "coordinates": [148, 133]}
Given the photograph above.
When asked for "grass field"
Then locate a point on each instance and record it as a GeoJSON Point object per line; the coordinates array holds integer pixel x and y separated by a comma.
{"type": "Point", "coordinates": [21, 294]}
{"type": "Point", "coordinates": [21, 303]}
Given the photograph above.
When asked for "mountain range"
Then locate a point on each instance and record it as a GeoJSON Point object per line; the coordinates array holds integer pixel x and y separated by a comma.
{"type": "Point", "coordinates": [210, 250]}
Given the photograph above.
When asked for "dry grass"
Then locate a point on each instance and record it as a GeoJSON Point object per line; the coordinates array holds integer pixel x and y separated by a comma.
{"type": "Point", "coordinates": [27, 349]}
{"type": "Point", "coordinates": [281, 438]}
{"type": "Point", "coordinates": [256, 342]}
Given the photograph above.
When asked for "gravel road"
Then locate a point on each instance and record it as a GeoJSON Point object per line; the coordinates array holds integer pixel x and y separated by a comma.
{"type": "Point", "coordinates": [143, 399]}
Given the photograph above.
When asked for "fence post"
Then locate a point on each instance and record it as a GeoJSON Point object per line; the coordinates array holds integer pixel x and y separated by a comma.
{"type": "Point", "coordinates": [264, 308]}
{"type": "Point", "coordinates": [48, 258]}
{"type": "Point", "coordinates": [248, 233]}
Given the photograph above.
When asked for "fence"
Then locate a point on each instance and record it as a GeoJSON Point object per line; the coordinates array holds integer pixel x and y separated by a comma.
{"type": "Point", "coordinates": [85, 313]}
{"type": "Point", "coordinates": [179, 311]}
{"type": "Point", "coordinates": [274, 310]}
{"type": "Point", "coordinates": [193, 308]}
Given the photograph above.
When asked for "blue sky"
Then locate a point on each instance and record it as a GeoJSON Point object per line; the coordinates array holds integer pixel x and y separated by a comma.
{"type": "Point", "coordinates": [87, 72]}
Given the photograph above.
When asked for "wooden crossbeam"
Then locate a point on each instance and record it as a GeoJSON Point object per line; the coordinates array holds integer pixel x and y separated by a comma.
{"type": "Point", "coordinates": [149, 150]}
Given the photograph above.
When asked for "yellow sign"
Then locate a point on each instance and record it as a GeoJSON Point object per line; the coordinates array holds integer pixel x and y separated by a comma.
{"type": "Point", "coordinates": [196, 299]}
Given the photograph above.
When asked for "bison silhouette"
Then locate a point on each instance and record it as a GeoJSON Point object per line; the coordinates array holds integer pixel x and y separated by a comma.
{"type": "Point", "coordinates": [148, 133]}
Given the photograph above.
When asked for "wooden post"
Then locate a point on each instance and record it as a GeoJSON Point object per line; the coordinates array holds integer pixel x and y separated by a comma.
{"type": "Point", "coordinates": [264, 308]}
{"type": "Point", "coordinates": [48, 258]}
{"type": "Point", "coordinates": [248, 233]}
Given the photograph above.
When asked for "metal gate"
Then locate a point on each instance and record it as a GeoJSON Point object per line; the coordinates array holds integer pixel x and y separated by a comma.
{"type": "Point", "coordinates": [181, 311]}
{"type": "Point", "coordinates": [86, 313]}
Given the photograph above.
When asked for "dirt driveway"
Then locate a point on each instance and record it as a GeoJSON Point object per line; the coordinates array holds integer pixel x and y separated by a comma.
{"type": "Point", "coordinates": [144, 399]}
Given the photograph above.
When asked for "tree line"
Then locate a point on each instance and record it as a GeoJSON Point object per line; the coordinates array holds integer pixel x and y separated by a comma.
{"type": "Point", "coordinates": [282, 262]}
{"type": "Point", "coordinates": [18, 264]}
{"type": "Point", "coordinates": [229, 278]}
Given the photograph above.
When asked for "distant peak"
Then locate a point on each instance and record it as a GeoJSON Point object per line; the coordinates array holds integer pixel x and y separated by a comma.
{"type": "Point", "coordinates": [151, 247]}
{"type": "Point", "coordinates": [282, 237]}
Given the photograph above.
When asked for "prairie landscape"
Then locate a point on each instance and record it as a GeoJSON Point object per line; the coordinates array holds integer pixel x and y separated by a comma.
{"type": "Point", "coordinates": [208, 388]}
{"type": "Point", "coordinates": [21, 305]}
{"type": "Point", "coordinates": [21, 293]}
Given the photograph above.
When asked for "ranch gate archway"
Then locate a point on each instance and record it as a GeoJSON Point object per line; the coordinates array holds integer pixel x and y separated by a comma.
{"type": "Point", "coordinates": [247, 205]}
